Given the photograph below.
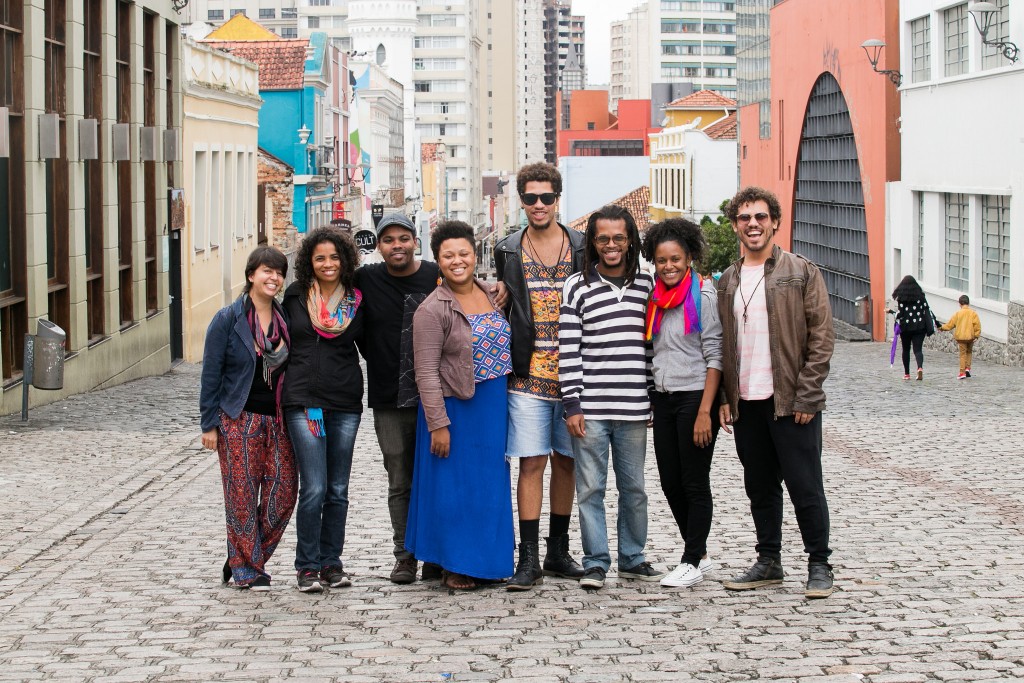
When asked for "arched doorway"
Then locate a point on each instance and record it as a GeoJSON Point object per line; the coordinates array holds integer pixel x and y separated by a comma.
{"type": "Point", "coordinates": [829, 225]}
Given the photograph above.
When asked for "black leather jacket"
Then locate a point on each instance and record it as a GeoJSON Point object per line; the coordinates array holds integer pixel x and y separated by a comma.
{"type": "Point", "coordinates": [508, 263]}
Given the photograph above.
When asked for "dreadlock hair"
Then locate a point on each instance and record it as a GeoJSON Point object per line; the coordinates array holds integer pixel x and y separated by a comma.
{"type": "Point", "coordinates": [611, 212]}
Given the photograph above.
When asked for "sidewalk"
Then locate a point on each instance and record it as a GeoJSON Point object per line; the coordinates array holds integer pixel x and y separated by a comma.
{"type": "Point", "coordinates": [112, 537]}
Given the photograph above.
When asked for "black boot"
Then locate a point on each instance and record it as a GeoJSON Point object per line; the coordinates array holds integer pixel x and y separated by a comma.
{"type": "Point", "coordinates": [528, 573]}
{"type": "Point", "coordinates": [558, 561]}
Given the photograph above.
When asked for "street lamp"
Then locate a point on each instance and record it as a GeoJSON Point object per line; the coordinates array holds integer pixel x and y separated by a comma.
{"type": "Point", "coordinates": [985, 15]}
{"type": "Point", "coordinates": [304, 134]}
{"type": "Point", "coordinates": [873, 49]}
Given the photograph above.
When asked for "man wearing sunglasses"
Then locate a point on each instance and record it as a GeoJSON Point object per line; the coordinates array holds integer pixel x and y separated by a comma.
{"type": "Point", "coordinates": [777, 341]}
{"type": "Point", "coordinates": [534, 263]}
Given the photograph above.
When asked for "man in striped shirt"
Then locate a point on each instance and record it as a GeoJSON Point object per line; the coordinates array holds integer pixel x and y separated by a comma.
{"type": "Point", "coordinates": [603, 375]}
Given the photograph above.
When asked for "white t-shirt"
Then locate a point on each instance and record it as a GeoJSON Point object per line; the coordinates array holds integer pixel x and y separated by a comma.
{"type": "Point", "coordinates": [750, 309]}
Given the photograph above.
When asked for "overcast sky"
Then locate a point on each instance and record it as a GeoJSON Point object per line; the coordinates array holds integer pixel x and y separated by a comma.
{"type": "Point", "coordinates": [600, 14]}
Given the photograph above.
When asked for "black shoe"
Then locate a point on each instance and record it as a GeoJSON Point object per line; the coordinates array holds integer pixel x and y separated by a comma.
{"type": "Point", "coordinates": [528, 573]}
{"type": "Point", "coordinates": [307, 581]}
{"type": "Point", "coordinates": [225, 573]}
{"type": "Point", "coordinates": [430, 572]}
{"type": "Point", "coordinates": [642, 572]}
{"type": "Point", "coordinates": [819, 580]}
{"type": "Point", "coordinates": [261, 584]}
{"type": "Point", "coordinates": [404, 571]}
{"type": "Point", "coordinates": [766, 571]}
{"type": "Point", "coordinates": [967, 372]}
{"type": "Point", "coordinates": [335, 577]}
{"type": "Point", "coordinates": [593, 579]}
{"type": "Point", "coordinates": [558, 561]}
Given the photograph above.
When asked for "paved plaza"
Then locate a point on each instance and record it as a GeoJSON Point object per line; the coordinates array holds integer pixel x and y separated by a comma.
{"type": "Point", "coordinates": [112, 539]}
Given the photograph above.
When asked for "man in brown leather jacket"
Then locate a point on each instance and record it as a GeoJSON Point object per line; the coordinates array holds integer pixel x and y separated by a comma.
{"type": "Point", "coordinates": [777, 343]}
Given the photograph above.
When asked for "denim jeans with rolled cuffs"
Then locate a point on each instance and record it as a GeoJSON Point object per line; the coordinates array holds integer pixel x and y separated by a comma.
{"type": "Point", "coordinates": [325, 464]}
{"type": "Point", "coordinates": [627, 440]}
{"type": "Point", "coordinates": [396, 436]}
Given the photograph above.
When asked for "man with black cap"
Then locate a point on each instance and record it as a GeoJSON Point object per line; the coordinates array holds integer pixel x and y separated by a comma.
{"type": "Point", "coordinates": [391, 292]}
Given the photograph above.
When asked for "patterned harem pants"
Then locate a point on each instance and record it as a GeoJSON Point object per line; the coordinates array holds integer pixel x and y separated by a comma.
{"type": "Point", "coordinates": [260, 487]}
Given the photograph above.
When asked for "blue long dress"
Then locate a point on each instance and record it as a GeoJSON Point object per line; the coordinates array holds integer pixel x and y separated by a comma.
{"type": "Point", "coordinates": [460, 510]}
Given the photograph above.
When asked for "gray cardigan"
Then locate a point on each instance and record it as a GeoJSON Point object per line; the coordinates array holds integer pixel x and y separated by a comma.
{"type": "Point", "coordinates": [681, 360]}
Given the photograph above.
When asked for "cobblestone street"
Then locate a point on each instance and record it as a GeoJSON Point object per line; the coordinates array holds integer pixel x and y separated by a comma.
{"type": "Point", "coordinates": [112, 539]}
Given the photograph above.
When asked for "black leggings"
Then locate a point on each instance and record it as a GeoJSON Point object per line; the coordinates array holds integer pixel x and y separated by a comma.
{"type": "Point", "coordinates": [917, 340]}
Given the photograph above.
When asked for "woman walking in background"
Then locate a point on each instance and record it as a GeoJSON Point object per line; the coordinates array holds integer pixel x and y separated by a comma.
{"type": "Point", "coordinates": [915, 321]}
{"type": "Point", "coordinates": [323, 400]}
{"type": "Point", "coordinates": [460, 512]}
{"type": "Point", "coordinates": [244, 358]}
{"type": "Point", "coordinates": [686, 333]}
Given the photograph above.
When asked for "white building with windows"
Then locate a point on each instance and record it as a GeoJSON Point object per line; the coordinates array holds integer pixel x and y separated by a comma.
{"type": "Point", "coordinates": [631, 57]}
{"type": "Point", "coordinates": [694, 41]}
{"type": "Point", "coordinates": [955, 218]}
{"type": "Point", "coordinates": [279, 16]}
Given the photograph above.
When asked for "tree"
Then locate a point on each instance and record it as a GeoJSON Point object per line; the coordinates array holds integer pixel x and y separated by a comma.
{"type": "Point", "coordinates": [723, 247]}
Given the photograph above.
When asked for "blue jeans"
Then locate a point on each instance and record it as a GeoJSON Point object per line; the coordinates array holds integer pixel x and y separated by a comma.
{"type": "Point", "coordinates": [628, 442]}
{"type": "Point", "coordinates": [324, 467]}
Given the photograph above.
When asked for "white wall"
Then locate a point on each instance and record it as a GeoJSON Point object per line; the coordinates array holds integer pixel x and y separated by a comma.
{"type": "Point", "coordinates": [589, 183]}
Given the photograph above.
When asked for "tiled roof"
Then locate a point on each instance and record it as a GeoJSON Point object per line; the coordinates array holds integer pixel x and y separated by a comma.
{"type": "Point", "coordinates": [281, 62]}
{"type": "Point", "coordinates": [724, 129]}
{"type": "Point", "coordinates": [637, 202]}
{"type": "Point", "coordinates": [703, 99]}
{"type": "Point", "coordinates": [241, 27]}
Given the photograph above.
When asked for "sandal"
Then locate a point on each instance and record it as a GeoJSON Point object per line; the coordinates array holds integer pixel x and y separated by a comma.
{"type": "Point", "coordinates": [454, 581]}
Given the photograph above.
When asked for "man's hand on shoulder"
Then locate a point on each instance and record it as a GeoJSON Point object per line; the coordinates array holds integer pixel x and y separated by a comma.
{"type": "Point", "coordinates": [500, 294]}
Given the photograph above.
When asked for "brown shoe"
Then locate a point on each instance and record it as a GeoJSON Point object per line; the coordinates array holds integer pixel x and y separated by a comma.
{"type": "Point", "coordinates": [404, 571]}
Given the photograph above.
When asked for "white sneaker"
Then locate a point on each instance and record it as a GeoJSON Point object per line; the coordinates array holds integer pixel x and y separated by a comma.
{"type": "Point", "coordinates": [707, 565]}
{"type": "Point", "coordinates": [682, 576]}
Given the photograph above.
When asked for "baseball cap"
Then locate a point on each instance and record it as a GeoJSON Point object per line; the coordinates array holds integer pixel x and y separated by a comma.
{"type": "Point", "coordinates": [389, 219]}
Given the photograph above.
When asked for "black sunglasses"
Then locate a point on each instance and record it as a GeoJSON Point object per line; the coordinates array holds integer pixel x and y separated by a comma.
{"type": "Point", "coordinates": [530, 198]}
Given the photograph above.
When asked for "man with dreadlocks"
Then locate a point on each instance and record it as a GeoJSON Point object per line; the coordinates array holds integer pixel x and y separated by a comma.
{"type": "Point", "coordinates": [603, 372]}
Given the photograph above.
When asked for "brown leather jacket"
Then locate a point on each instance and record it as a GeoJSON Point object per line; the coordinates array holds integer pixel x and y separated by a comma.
{"type": "Point", "coordinates": [443, 352]}
{"type": "Point", "coordinates": [800, 333]}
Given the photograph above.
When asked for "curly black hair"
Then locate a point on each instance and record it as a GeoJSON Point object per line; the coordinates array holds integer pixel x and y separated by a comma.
{"type": "Point", "coordinates": [451, 230]}
{"type": "Point", "coordinates": [591, 258]}
{"type": "Point", "coordinates": [265, 255]}
{"type": "Point", "coordinates": [753, 194]}
{"type": "Point", "coordinates": [685, 233]}
{"type": "Point", "coordinates": [342, 241]}
{"type": "Point", "coordinates": [540, 172]}
{"type": "Point", "coordinates": [908, 290]}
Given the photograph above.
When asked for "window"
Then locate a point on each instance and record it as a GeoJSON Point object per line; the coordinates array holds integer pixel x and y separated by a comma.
{"type": "Point", "coordinates": [920, 234]}
{"type": "Point", "coordinates": [719, 49]}
{"type": "Point", "coordinates": [956, 40]}
{"type": "Point", "coordinates": [991, 57]}
{"type": "Point", "coordinates": [125, 204]}
{"type": "Point", "coordinates": [312, 22]}
{"type": "Point", "coordinates": [957, 242]}
{"type": "Point", "coordinates": [680, 48]}
{"type": "Point", "coordinates": [319, 3]}
{"type": "Point", "coordinates": [268, 13]}
{"type": "Point", "coordinates": [421, 86]}
{"type": "Point", "coordinates": [677, 26]}
{"type": "Point", "coordinates": [93, 171]}
{"type": "Point", "coordinates": [56, 170]}
{"type": "Point", "coordinates": [679, 5]}
{"type": "Point", "coordinates": [200, 234]}
{"type": "Point", "coordinates": [921, 46]}
{"type": "Point", "coordinates": [679, 71]}
{"type": "Point", "coordinates": [288, 31]}
{"type": "Point", "coordinates": [215, 15]}
{"type": "Point", "coordinates": [719, 6]}
{"type": "Point", "coordinates": [238, 11]}
{"type": "Point", "coordinates": [289, 13]}
{"type": "Point", "coordinates": [995, 248]}
{"type": "Point", "coordinates": [726, 27]}
{"type": "Point", "coordinates": [149, 22]}
{"type": "Point", "coordinates": [720, 71]}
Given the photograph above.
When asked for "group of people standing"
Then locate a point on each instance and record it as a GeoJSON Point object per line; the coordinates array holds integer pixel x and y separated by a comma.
{"type": "Point", "coordinates": [567, 361]}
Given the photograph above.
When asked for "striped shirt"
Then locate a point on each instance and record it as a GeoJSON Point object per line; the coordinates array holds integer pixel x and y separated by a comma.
{"type": "Point", "coordinates": [603, 359]}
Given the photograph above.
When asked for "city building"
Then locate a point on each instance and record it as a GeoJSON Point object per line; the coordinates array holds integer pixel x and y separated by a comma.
{"type": "Point", "coordinates": [377, 135]}
{"type": "Point", "coordinates": [693, 158]}
{"type": "Point", "coordinates": [832, 142]}
{"type": "Point", "coordinates": [631, 57]}
{"type": "Point", "coordinates": [534, 82]}
{"type": "Point", "coordinates": [277, 16]}
{"type": "Point", "coordinates": [955, 217]}
{"type": "Point", "coordinates": [304, 117]}
{"type": "Point", "coordinates": [90, 126]}
{"type": "Point", "coordinates": [221, 104]}
{"type": "Point", "coordinates": [694, 41]}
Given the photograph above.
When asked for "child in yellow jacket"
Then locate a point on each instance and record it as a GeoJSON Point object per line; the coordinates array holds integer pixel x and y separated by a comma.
{"type": "Point", "coordinates": [967, 330]}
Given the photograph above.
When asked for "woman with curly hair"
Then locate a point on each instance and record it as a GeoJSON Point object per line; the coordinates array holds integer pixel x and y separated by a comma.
{"type": "Point", "coordinates": [323, 400]}
{"type": "Point", "coordinates": [915, 320]}
{"type": "Point", "coordinates": [686, 333]}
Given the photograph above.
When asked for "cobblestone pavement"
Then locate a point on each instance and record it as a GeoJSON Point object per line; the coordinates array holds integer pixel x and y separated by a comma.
{"type": "Point", "coordinates": [111, 541]}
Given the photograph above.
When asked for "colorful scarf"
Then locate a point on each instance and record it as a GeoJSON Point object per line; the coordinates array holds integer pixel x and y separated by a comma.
{"type": "Point", "coordinates": [685, 293]}
{"type": "Point", "coordinates": [271, 346]}
{"type": "Point", "coordinates": [330, 318]}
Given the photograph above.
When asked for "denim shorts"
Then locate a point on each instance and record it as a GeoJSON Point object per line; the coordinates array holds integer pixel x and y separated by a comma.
{"type": "Point", "coordinates": [536, 427]}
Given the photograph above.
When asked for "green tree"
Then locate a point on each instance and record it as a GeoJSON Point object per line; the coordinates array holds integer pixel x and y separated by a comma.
{"type": "Point", "coordinates": [723, 247]}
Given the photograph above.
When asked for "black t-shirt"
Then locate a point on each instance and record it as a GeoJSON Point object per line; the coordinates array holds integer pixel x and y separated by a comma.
{"type": "Point", "coordinates": [388, 302]}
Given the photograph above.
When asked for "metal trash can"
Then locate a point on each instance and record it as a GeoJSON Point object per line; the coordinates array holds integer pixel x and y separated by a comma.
{"type": "Point", "coordinates": [48, 362]}
{"type": "Point", "coordinates": [862, 310]}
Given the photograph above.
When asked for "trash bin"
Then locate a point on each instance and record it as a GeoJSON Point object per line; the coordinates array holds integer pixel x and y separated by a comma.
{"type": "Point", "coordinates": [48, 370]}
{"type": "Point", "coordinates": [862, 310]}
